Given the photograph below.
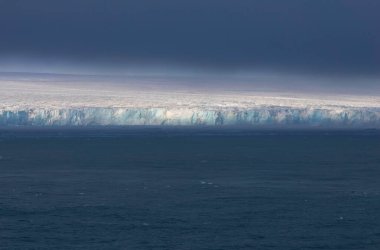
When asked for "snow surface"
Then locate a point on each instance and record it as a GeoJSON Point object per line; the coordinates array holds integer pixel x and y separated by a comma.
{"type": "Point", "coordinates": [58, 102]}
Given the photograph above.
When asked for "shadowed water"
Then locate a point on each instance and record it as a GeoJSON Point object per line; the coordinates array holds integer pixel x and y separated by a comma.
{"type": "Point", "coordinates": [188, 189]}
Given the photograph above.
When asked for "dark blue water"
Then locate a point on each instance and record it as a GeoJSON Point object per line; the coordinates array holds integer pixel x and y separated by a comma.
{"type": "Point", "coordinates": [174, 189]}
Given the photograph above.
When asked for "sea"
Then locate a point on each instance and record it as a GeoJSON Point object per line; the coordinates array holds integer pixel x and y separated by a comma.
{"type": "Point", "coordinates": [184, 188]}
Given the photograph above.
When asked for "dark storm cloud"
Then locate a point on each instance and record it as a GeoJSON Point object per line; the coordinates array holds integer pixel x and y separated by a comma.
{"type": "Point", "coordinates": [323, 35]}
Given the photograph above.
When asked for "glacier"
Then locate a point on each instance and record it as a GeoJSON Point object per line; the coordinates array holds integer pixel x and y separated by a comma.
{"type": "Point", "coordinates": [263, 116]}
{"type": "Point", "coordinates": [59, 102]}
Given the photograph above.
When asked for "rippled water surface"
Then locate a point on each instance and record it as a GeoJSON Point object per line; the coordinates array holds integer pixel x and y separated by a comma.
{"type": "Point", "coordinates": [185, 189]}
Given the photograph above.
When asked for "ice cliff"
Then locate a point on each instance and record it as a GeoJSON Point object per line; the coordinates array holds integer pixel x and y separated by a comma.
{"type": "Point", "coordinates": [31, 103]}
{"type": "Point", "coordinates": [263, 116]}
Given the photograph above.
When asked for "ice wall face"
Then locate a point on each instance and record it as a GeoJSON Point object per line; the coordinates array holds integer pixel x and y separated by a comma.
{"type": "Point", "coordinates": [56, 102]}
{"type": "Point", "coordinates": [256, 117]}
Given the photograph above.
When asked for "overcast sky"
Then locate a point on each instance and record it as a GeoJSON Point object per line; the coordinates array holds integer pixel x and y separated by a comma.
{"type": "Point", "coordinates": [317, 36]}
